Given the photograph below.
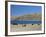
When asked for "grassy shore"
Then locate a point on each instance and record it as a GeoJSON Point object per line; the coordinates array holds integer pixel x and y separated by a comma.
{"type": "Point", "coordinates": [28, 27]}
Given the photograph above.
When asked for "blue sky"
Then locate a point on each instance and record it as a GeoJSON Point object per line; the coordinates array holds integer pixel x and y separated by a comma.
{"type": "Point", "coordinates": [19, 10]}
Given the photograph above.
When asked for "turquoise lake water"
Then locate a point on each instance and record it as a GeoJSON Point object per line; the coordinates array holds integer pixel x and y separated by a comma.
{"type": "Point", "coordinates": [26, 22]}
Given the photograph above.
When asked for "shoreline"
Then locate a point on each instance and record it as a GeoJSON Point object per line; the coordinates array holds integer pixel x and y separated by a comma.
{"type": "Point", "coordinates": [19, 28]}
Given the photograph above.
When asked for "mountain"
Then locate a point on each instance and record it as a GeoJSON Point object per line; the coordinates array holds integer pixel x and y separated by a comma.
{"type": "Point", "coordinates": [28, 17]}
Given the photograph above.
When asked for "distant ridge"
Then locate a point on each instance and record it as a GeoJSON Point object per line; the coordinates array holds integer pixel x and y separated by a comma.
{"type": "Point", "coordinates": [28, 17]}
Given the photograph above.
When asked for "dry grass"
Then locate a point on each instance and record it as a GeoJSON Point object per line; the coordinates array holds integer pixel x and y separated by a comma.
{"type": "Point", "coordinates": [28, 27]}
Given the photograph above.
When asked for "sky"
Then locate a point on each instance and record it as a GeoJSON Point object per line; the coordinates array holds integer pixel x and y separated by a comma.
{"type": "Point", "coordinates": [19, 10]}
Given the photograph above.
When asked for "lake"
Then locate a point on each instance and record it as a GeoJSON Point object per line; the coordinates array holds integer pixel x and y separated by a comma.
{"type": "Point", "coordinates": [25, 22]}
